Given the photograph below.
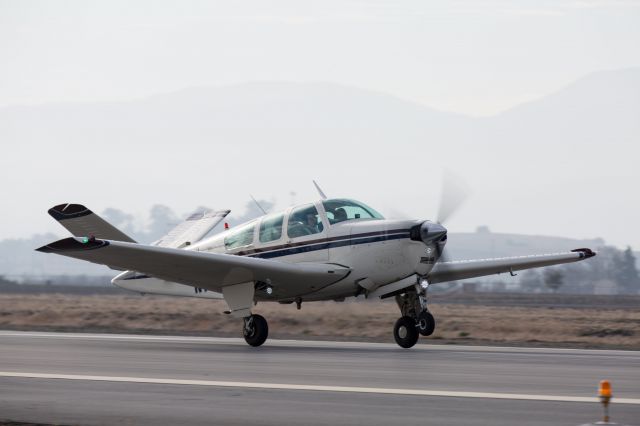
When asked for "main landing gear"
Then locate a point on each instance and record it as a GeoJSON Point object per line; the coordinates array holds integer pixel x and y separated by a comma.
{"type": "Point", "coordinates": [255, 330]}
{"type": "Point", "coordinates": [416, 319]}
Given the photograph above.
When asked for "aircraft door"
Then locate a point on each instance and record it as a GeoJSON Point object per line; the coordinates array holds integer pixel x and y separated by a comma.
{"type": "Point", "coordinates": [306, 235]}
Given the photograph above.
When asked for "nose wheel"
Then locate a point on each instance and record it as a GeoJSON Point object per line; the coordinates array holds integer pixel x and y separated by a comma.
{"type": "Point", "coordinates": [426, 323]}
{"type": "Point", "coordinates": [255, 330]}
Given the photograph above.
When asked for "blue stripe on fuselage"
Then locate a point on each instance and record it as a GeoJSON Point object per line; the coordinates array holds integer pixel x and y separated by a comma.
{"type": "Point", "coordinates": [333, 244]}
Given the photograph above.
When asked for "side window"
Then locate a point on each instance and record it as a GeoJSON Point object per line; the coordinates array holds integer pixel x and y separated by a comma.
{"type": "Point", "coordinates": [341, 210]}
{"type": "Point", "coordinates": [271, 228]}
{"type": "Point", "coordinates": [304, 220]}
{"type": "Point", "coordinates": [242, 236]}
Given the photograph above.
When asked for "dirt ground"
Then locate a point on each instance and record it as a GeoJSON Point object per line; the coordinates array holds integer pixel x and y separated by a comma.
{"type": "Point", "coordinates": [457, 323]}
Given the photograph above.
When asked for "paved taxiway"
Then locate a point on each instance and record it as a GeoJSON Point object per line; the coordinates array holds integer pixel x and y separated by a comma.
{"type": "Point", "coordinates": [109, 379]}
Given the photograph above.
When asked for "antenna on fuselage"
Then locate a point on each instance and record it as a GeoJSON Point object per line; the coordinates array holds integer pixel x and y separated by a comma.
{"type": "Point", "coordinates": [258, 204]}
{"type": "Point", "coordinates": [324, 197]}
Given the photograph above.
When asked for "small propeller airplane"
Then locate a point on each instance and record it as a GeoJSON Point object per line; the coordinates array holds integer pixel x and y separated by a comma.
{"type": "Point", "coordinates": [329, 249]}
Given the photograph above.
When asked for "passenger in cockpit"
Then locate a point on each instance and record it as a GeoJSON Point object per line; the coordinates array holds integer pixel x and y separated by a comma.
{"type": "Point", "coordinates": [339, 215]}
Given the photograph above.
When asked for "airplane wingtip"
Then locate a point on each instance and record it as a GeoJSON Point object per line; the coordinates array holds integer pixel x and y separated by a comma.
{"type": "Point", "coordinates": [73, 244]}
{"type": "Point", "coordinates": [585, 253]}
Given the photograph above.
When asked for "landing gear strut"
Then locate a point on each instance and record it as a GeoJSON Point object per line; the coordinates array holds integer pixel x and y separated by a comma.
{"type": "Point", "coordinates": [416, 318]}
{"type": "Point", "coordinates": [255, 330]}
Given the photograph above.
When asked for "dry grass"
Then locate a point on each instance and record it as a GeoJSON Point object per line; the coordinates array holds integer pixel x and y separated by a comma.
{"type": "Point", "coordinates": [457, 323]}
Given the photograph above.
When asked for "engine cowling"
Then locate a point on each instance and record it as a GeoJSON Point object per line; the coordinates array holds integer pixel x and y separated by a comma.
{"type": "Point", "coordinates": [434, 237]}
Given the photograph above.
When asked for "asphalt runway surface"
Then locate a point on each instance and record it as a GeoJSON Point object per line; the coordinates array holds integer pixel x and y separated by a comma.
{"type": "Point", "coordinates": [105, 379]}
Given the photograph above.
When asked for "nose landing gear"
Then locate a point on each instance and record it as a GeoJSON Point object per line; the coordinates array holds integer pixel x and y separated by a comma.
{"type": "Point", "coordinates": [416, 319]}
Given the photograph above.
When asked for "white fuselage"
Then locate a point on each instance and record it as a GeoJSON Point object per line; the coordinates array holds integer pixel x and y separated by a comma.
{"type": "Point", "coordinates": [378, 252]}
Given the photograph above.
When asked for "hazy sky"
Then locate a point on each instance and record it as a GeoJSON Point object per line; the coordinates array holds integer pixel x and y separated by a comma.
{"type": "Point", "coordinates": [474, 57]}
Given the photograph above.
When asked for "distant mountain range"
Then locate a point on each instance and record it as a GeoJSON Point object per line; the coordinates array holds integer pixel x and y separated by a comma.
{"type": "Point", "coordinates": [600, 107]}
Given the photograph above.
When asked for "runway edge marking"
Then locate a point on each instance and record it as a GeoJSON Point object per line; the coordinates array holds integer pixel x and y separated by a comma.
{"type": "Point", "coordinates": [321, 388]}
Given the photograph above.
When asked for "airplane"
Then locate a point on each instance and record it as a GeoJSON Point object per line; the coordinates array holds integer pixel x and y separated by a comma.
{"type": "Point", "coordinates": [329, 249]}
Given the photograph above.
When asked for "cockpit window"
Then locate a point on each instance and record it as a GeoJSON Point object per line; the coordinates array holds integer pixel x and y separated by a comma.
{"type": "Point", "coordinates": [271, 228]}
{"type": "Point", "coordinates": [339, 210]}
{"type": "Point", "coordinates": [241, 236]}
{"type": "Point", "coordinates": [304, 220]}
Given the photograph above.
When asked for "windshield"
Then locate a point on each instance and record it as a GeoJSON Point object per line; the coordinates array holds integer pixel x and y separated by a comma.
{"type": "Point", "coordinates": [340, 210]}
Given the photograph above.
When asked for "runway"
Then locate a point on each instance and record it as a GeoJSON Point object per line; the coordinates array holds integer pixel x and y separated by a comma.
{"type": "Point", "coordinates": [66, 378]}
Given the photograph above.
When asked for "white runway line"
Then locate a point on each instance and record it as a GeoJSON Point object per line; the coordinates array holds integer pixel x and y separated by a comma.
{"type": "Point", "coordinates": [285, 386]}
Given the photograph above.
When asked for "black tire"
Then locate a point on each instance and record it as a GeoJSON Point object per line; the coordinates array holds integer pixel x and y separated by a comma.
{"type": "Point", "coordinates": [258, 332]}
{"type": "Point", "coordinates": [426, 323]}
{"type": "Point", "coordinates": [405, 332]}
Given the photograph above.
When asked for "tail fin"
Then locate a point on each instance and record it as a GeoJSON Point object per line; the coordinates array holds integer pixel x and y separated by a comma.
{"type": "Point", "coordinates": [82, 222]}
{"type": "Point", "coordinates": [193, 229]}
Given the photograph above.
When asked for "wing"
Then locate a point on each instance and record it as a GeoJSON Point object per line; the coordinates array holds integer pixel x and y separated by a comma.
{"type": "Point", "coordinates": [211, 271]}
{"type": "Point", "coordinates": [459, 270]}
{"type": "Point", "coordinates": [82, 222]}
{"type": "Point", "coordinates": [192, 229]}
